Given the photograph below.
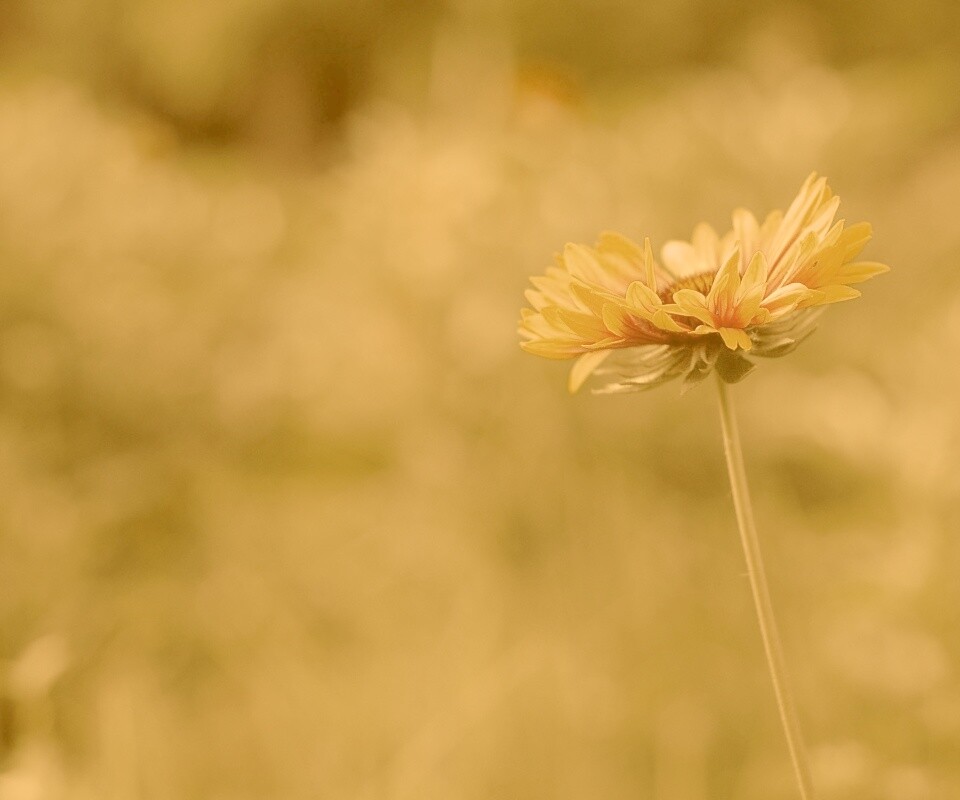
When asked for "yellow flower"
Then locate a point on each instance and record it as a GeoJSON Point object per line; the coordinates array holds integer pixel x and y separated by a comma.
{"type": "Point", "coordinates": [704, 303]}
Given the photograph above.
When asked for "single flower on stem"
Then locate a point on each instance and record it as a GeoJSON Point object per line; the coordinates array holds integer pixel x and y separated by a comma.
{"type": "Point", "coordinates": [701, 308]}
{"type": "Point", "coordinates": [705, 304]}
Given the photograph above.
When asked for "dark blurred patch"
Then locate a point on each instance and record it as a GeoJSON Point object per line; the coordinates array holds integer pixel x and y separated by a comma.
{"type": "Point", "coordinates": [8, 727]}
{"type": "Point", "coordinates": [729, 756]}
{"type": "Point", "coordinates": [11, 21]}
{"type": "Point", "coordinates": [521, 540]}
{"type": "Point", "coordinates": [551, 81]}
{"type": "Point", "coordinates": [156, 534]}
{"type": "Point", "coordinates": [186, 662]}
{"type": "Point", "coordinates": [619, 43]}
{"type": "Point", "coordinates": [821, 484]}
{"type": "Point", "coordinates": [299, 75]}
{"type": "Point", "coordinates": [284, 449]}
{"type": "Point", "coordinates": [290, 72]}
{"type": "Point", "coordinates": [302, 73]}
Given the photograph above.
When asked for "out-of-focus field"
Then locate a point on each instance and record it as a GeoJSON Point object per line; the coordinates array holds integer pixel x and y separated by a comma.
{"type": "Point", "coordinates": [286, 513]}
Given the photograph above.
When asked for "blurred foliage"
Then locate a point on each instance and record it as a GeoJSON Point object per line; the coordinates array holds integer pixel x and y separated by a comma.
{"type": "Point", "coordinates": [287, 514]}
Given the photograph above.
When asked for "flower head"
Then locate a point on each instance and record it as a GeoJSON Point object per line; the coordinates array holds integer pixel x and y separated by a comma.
{"type": "Point", "coordinates": [705, 303]}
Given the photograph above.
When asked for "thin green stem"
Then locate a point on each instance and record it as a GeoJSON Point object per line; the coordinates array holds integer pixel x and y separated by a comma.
{"type": "Point", "coordinates": [761, 594]}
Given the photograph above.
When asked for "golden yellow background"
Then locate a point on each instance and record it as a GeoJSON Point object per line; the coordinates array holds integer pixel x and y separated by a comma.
{"type": "Point", "coordinates": [285, 512]}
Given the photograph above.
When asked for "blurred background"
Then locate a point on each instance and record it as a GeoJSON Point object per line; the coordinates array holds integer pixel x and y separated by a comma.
{"type": "Point", "coordinates": [286, 513]}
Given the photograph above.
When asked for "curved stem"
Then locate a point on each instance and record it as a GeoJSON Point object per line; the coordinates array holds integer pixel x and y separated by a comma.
{"type": "Point", "coordinates": [761, 594]}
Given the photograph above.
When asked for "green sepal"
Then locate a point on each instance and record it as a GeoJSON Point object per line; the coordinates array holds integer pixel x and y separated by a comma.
{"type": "Point", "coordinates": [733, 367]}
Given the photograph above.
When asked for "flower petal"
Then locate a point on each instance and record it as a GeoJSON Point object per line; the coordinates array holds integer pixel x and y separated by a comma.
{"type": "Point", "coordinates": [838, 293]}
{"type": "Point", "coordinates": [735, 337]}
{"type": "Point", "coordinates": [584, 367]}
{"type": "Point", "coordinates": [691, 303]}
{"type": "Point", "coordinates": [747, 230]}
{"type": "Point", "coordinates": [582, 262]}
{"type": "Point", "coordinates": [860, 271]}
{"type": "Point", "coordinates": [681, 258]}
{"type": "Point", "coordinates": [725, 284]}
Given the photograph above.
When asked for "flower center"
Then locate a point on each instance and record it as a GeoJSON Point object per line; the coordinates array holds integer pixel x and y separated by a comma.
{"type": "Point", "coordinates": [699, 281]}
